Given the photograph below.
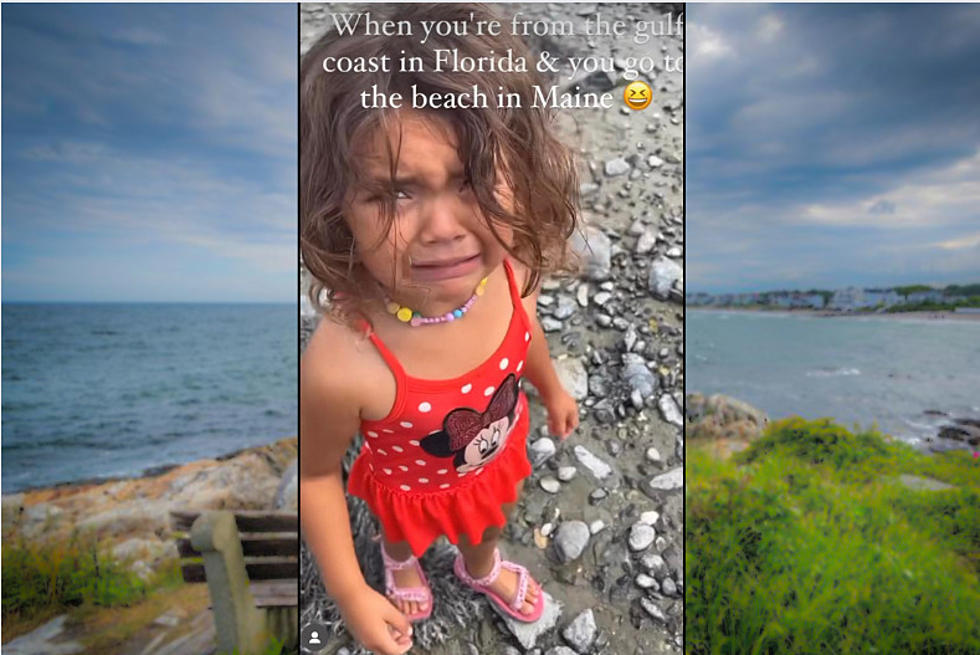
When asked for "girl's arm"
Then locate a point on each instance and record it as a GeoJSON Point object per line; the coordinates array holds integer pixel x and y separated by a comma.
{"type": "Point", "coordinates": [329, 419]}
{"type": "Point", "coordinates": [562, 408]}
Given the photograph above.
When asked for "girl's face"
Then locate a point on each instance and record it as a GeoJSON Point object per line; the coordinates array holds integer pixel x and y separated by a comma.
{"type": "Point", "coordinates": [439, 246]}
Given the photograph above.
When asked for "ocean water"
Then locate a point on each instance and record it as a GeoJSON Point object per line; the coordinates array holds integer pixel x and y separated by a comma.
{"type": "Point", "coordinates": [893, 372]}
{"type": "Point", "coordinates": [100, 390]}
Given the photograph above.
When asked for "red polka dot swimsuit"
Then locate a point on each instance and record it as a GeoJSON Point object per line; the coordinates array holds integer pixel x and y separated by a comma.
{"type": "Point", "coordinates": [450, 452]}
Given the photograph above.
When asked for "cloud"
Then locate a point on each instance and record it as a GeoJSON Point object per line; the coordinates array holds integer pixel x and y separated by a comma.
{"type": "Point", "coordinates": [830, 143]}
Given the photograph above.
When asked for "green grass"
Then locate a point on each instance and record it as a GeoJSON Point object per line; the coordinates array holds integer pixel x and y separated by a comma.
{"type": "Point", "coordinates": [42, 577]}
{"type": "Point", "coordinates": [806, 542]}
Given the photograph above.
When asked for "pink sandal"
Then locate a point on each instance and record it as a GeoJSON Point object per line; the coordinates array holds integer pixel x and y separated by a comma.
{"type": "Point", "coordinates": [483, 586]}
{"type": "Point", "coordinates": [420, 594]}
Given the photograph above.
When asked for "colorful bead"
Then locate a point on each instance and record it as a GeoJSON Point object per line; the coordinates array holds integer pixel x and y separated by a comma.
{"type": "Point", "coordinates": [415, 319]}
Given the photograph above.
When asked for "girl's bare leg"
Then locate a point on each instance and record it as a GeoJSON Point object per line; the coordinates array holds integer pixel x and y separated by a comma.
{"type": "Point", "coordinates": [406, 577]}
{"type": "Point", "coordinates": [479, 562]}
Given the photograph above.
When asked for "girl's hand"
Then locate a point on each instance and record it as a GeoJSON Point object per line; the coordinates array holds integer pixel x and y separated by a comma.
{"type": "Point", "coordinates": [376, 623]}
{"type": "Point", "coordinates": [562, 413]}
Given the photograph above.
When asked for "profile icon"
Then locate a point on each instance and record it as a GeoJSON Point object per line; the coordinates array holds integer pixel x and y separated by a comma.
{"type": "Point", "coordinates": [312, 638]}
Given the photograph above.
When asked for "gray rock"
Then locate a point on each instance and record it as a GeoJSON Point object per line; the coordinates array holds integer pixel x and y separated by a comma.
{"type": "Point", "coordinates": [582, 295]}
{"type": "Point", "coordinates": [651, 608]}
{"type": "Point", "coordinates": [571, 539]}
{"type": "Point", "coordinates": [565, 308]}
{"type": "Point", "coordinates": [639, 378]}
{"type": "Point", "coordinates": [629, 339]}
{"type": "Point", "coordinates": [654, 161]}
{"type": "Point", "coordinates": [665, 275]}
{"type": "Point", "coordinates": [604, 320]}
{"type": "Point", "coordinates": [597, 526]}
{"type": "Point", "coordinates": [670, 411]}
{"type": "Point", "coordinates": [596, 251]}
{"type": "Point", "coordinates": [675, 251]}
{"type": "Point", "coordinates": [571, 371]}
{"type": "Point", "coordinates": [581, 632]}
{"type": "Point", "coordinates": [527, 633]}
{"type": "Point", "coordinates": [668, 587]}
{"type": "Point", "coordinates": [653, 455]}
{"type": "Point", "coordinates": [550, 484]}
{"type": "Point", "coordinates": [597, 495]}
{"type": "Point", "coordinates": [596, 466]}
{"type": "Point", "coordinates": [588, 188]}
{"type": "Point", "coordinates": [287, 494]}
{"type": "Point", "coordinates": [541, 450]}
{"type": "Point", "coordinates": [644, 581]}
{"type": "Point", "coordinates": [601, 298]}
{"type": "Point", "coordinates": [646, 241]}
{"type": "Point", "coordinates": [641, 537]}
{"type": "Point", "coordinates": [566, 473]}
{"type": "Point", "coordinates": [655, 564]}
{"type": "Point", "coordinates": [547, 529]}
{"type": "Point", "coordinates": [559, 650]}
{"type": "Point", "coordinates": [650, 517]}
{"type": "Point", "coordinates": [672, 479]}
{"type": "Point", "coordinates": [549, 324]}
{"type": "Point", "coordinates": [618, 166]}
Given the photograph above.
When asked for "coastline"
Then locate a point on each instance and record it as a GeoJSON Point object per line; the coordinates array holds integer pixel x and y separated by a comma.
{"type": "Point", "coordinates": [823, 313]}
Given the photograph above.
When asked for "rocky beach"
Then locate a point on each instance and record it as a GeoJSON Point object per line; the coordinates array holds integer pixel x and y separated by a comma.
{"type": "Point", "coordinates": [600, 521]}
{"type": "Point", "coordinates": [130, 520]}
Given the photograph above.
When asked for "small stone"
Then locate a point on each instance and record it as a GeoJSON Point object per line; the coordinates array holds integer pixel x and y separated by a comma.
{"type": "Point", "coordinates": [559, 650]}
{"type": "Point", "coordinates": [549, 484]}
{"type": "Point", "coordinates": [636, 399]}
{"type": "Point", "coordinates": [597, 495]}
{"type": "Point", "coordinates": [654, 563]}
{"type": "Point", "coordinates": [651, 608]}
{"type": "Point", "coordinates": [587, 188]}
{"type": "Point", "coordinates": [601, 298]}
{"type": "Point", "coordinates": [597, 526]}
{"type": "Point", "coordinates": [665, 275]}
{"type": "Point", "coordinates": [566, 473]}
{"type": "Point", "coordinates": [528, 633]}
{"type": "Point", "coordinates": [547, 529]}
{"type": "Point", "coordinates": [670, 411]}
{"type": "Point", "coordinates": [646, 241]}
{"type": "Point", "coordinates": [641, 537]}
{"type": "Point", "coordinates": [565, 308]}
{"type": "Point", "coordinates": [644, 581]}
{"type": "Point", "coordinates": [672, 479]}
{"type": "Point", "coordinates": [603, 320]}
{"type": "Point", "coordinates": [629, 339]}
{"type": "Point", "coordinates": [582, 295]}
{"type": "Point", "coordinates": [650, 518]}
{"type": "Point", "coordinates": [668, 587]}
{"type": "Point", "coordinates": [541, 450]}
{"type": "Point", "coordinates": [596, 466]}
{"type": "Point", "coordinates": [549, 324]}
{"type": "Point", "coordinates": [654, 161]}
{"type": "Point", "coordinates": [571, 539]}
{"type": "Point", "coordinates": [544, 300]}
{"type": "Point", "coordinates": [618, 166]}
{"type": "Point", "coordinates": [675, 251]}
{"type": "Point", "coordinates": [653, 455]}
{"type": "Point", "coordinates": [580, 633]}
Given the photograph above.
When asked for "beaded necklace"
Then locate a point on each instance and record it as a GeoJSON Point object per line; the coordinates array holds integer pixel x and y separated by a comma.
{"type": "Point", "coordinates": [415, 319]}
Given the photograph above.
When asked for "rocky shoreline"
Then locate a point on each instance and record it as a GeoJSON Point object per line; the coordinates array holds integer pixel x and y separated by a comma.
{"type": "Point", "coordinates": [130, 516]}
{"type": "Point", "coordinates": [824, 313]}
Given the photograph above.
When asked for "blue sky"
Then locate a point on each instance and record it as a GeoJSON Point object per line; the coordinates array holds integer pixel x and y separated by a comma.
{"type": "Point", "coordinates": [832, 145]}
{"type": "Point", "coordinates": [149, 152]}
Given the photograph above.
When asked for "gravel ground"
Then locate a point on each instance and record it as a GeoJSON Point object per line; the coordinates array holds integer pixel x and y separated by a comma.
{"type": "Point", "coordinates": [600, 522]}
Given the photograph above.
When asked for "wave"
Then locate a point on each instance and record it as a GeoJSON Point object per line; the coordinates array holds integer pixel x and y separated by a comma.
{"type": "Point", "coordinates": [832, 372]}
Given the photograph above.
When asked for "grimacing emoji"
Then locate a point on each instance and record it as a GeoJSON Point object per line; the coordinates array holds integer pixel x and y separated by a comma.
{"type": "Point", "coordinates": [638, 95]}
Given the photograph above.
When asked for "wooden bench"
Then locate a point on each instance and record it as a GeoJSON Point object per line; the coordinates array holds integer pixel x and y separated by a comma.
{"type": "Point", "coordinates": [250, 560]}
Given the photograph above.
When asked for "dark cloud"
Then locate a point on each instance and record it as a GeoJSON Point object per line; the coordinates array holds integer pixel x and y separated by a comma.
{"type": "Point", "coordinates": [806, 121]}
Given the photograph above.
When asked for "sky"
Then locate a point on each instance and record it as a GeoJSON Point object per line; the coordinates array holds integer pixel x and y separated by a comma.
{"type": "Point", "coordinates": [149, 153]}
{"type": "Point", "coordinates": [832, 146]}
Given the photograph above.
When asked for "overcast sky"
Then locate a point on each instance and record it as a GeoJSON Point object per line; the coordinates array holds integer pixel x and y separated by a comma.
{"type": "Point", "coordinates": [832, 145]}
{"type": "Point", "coordinates": [149, 152]}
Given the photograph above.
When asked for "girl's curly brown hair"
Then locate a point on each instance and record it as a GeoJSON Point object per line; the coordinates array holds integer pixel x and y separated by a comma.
{"type": "Point", "coordinates": [514, 145]}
